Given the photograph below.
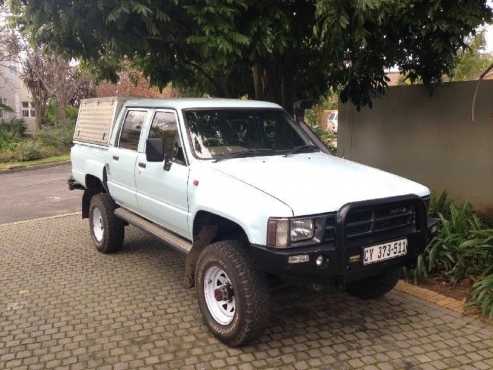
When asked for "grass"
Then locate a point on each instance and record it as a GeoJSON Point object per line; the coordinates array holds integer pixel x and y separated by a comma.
{"type": "Point", "coordinates": [26, 164]}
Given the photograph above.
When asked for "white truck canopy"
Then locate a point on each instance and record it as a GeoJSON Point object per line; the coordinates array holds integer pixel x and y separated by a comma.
{"type": "Point", "coordinates": [96, 119]}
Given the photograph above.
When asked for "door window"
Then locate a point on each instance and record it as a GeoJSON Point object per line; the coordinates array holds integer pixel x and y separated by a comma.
{"type": "Point", "coordinates": [165, 127]}
{"type": "Point", "coordinates": [130, 134]}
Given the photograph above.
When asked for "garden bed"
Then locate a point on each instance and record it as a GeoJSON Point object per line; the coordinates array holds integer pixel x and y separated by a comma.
{"type": "Point", "coordinates": [458, 261]}
{"type": "Point", "coordinates": [460, 291]}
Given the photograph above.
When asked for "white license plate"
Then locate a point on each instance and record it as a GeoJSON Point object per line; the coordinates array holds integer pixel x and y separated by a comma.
{"type": "Point", "coordinates": [383, 252]}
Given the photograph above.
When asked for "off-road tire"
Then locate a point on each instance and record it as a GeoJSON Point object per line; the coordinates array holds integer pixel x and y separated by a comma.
{"type": "Point", "coordinates": [375, 286]}
{"type": "Point", "coordinates": [252, 298]}
{"type": "Point", "coordinates": [114, 229]}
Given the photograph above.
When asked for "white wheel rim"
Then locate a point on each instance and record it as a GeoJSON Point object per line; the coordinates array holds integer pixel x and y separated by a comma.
{"type": "Point", "coordinates": [97, 224]}
{"type": "Point", "coordinates": [221, 310]}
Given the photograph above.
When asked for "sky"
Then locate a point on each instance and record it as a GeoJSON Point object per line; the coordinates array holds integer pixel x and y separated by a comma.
{"type": "Point", "coordinates": [489, 32]}
{"type": "Point", "coordinates": [489, 38]}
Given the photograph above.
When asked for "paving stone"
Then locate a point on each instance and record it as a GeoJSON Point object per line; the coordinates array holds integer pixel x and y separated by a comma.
{"type": "Point", "coordinates": [65, 306]}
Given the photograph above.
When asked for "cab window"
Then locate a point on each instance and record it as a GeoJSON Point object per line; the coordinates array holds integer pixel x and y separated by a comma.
{"type": "Point", "coordinates": [165, 127]}
{"type": "Point", "coordinates": [132, 126]}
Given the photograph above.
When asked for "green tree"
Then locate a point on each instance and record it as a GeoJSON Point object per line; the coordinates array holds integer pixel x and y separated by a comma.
{"type": "Point", "coordinates": [472, 61]}
{"type": "Point", "coordinates": [281, 50]}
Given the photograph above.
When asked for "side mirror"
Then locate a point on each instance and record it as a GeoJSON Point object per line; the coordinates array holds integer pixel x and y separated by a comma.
{"type": "Point", "coordinates": [155, 150]}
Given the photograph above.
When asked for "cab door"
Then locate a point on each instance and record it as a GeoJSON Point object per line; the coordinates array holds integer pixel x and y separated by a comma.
{"type": "Point", "coordinates": [123, 157]}
{"type": "Point", "coordinates": [162, 193]}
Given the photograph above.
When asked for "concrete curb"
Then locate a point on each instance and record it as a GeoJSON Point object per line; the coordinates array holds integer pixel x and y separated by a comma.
{"type": "Point", "coordinates": [431, 297]}
{"type": "Point", "coordinates": [41, 218]}
{"type": "Point", "coordinates": [34, 167]}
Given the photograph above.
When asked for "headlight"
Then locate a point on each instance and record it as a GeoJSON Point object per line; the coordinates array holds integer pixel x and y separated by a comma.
{"type": "Point", "coordinates": [281, 232]}
{"type": "Point", "coordinates": [301, 229]}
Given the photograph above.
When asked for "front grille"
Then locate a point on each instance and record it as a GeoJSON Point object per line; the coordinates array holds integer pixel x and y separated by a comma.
{"type": "Point", "coordinates": [330, 228]}
{"type": "Point", "coordinates": [366, 221]}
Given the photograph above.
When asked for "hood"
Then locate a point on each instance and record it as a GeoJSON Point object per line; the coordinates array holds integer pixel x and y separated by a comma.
{"type": "Point", "coordinates": [314, 183]}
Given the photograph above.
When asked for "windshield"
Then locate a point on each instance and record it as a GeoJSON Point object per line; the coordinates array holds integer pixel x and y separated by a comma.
{"type": "Point", "coordinates": [220, 133]}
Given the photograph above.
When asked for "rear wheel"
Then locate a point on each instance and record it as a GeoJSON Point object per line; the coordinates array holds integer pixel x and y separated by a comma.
{"type": "Point", "coordinates": [375, 286]}
{"type": "Point", "coordinates": [233, 297]}
{"type": "Point", "coordinates": [107, 231]}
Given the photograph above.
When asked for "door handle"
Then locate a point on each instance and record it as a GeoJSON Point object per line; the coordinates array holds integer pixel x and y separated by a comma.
{"type": "Point", "coordinates": [142, 165]}
{"type": "Point", "coordinates": [115, 157]}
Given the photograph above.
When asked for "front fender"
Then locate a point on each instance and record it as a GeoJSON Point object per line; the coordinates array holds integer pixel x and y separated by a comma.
{"type": "Point", "coordinates": [225, 196]}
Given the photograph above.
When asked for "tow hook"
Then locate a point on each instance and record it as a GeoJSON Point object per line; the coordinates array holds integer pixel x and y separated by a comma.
{"type": "Point", "coordinates": [224, 293]}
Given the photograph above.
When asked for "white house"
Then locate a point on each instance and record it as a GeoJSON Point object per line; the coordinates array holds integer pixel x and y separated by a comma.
{"type": "Point", "coordinates": [15, 94]}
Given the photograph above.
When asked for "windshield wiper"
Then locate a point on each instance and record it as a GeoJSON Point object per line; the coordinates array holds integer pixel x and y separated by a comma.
{"type": "Point", "coordinates": [302, 148]}
{"type": "Point", "coordinates": [245, 153]}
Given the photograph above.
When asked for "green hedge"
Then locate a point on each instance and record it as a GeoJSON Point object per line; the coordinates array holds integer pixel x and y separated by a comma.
{"type": "Point", "coordinates": [11, 133]}
{"type": "Point", "coordinates": [49, 141]}
{"type": "Point", "coordinates": [462, 248]}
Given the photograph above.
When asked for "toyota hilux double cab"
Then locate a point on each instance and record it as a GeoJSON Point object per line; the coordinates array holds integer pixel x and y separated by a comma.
{"type": "Point", "coordinates": [247, 194]}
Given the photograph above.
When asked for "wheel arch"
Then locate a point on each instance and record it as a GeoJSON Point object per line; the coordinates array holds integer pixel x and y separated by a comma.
{"type": "Point", "coordinates": [225, 226]}
{"type": "Point", "coordinates": [94, 185]}
{"type": "Point", "coordinates": [209, 227]}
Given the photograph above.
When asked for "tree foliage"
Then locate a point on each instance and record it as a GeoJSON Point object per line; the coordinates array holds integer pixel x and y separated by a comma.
{"type": "Point", "coordinates": [472, 61]}
{"type": "Point", "coordinates": [282, 50]}
{"type": "Point", "coordinates": [48, 75]}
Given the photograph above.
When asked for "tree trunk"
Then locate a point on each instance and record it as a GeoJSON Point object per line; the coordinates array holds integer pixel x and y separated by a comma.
{"type": "Point", "coordinates": [36, 126]}
{"type": "Point", "coordinates": [61, 117]}
{"type": "Point", "coordinates": [39, 102]}
{"type": "Point", "coordinates": [257, 84]}
{"type": "Point", "coordinates": [273, 82]}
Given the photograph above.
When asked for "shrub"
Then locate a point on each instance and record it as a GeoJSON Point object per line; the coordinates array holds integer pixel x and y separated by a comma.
{"type": "Point", "coordinates": [462, 248]}
{"type": "Point", "coordinates": [51, 113]}
{"type": "Point", "coordinates": [11, 132]}
{"type": "Point", "coordinates": [482, 295]}
{"type": "Point", "coordinates": [7, 156]}
{"type": "Point", "coordinates": [59, 138]}
{"type": "Point", "coordinates": [28, 150]}
{"type": "Point", "coordinates": [440, 205]}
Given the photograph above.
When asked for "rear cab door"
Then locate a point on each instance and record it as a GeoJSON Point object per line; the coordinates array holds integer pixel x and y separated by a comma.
{"type": "Point", "coordinates": [123, 157]}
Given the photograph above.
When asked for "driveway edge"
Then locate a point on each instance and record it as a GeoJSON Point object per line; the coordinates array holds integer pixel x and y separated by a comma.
{"type": "Point", "coordinates": [41, 218]}
{"type": "Point", "coordinates": [431, 297]}
{"type": "Point", "coordinates": [34, 167]}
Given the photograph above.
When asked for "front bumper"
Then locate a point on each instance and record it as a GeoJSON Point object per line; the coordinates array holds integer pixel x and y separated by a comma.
{"type": "Point", "coordinates": [342, 261]}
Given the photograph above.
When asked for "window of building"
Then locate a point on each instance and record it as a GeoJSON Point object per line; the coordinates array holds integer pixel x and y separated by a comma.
{"type": "Point", "coordinates": [25, 109]}
{"type": "Point", "coordinates": [28, 109]}
{"type": "Point", "coordinates": [3, 101]}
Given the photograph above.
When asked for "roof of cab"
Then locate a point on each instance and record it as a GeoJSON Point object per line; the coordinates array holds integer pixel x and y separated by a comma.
{"type": "Point", "coordinates": [187, 103]}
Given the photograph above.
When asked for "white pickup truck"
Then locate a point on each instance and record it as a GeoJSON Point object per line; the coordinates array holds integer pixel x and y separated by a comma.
{"type": "Point", "coordinates": [246, 193]}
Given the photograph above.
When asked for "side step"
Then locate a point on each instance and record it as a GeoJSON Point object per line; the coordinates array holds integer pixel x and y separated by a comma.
{"type": "Point", "coordinates": [175, 241]}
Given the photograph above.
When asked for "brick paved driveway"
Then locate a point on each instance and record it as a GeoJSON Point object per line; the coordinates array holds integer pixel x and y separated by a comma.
{"type": "Point", "coordinates": [63, 305]}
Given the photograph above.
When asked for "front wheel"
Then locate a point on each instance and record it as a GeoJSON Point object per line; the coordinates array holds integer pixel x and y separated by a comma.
{"type": "Point", "coordinates": [233, 297]}
{"type": "Point", "coordinates": [375, 286]}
